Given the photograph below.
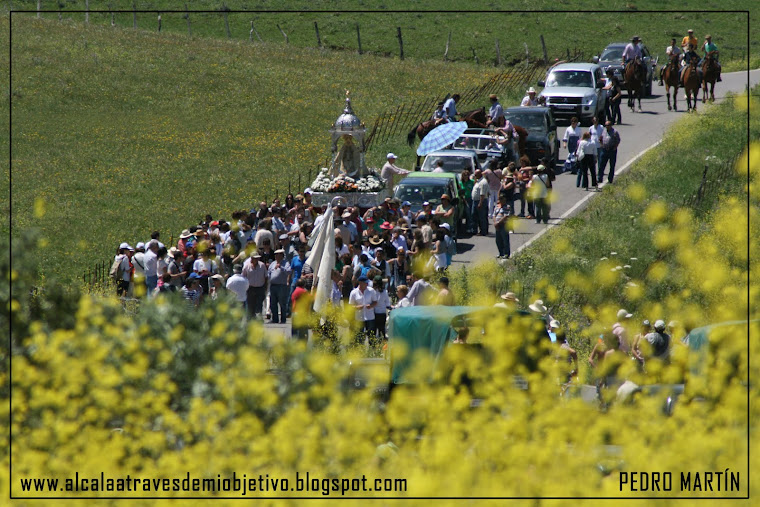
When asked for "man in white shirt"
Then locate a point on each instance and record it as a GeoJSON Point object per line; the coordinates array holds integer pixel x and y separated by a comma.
{"type": "Point", "coordinates": [480, 193]}
{"type": "Point", "coordinates": [238, 284]}
{"type": "Point", "coordinates": [389, 169]}
{"type": "Point", "coordinates": [596, 130]}
{"type": "Point", "coordinates": [421, 293]}
{"type": "Point", "coordinates": [151, 266]}
{"type": "Point", "coordinates": [530, 99]}
{"type": "Point", "coordinates": [364, 300]}
{"type": "Point", "coordinates": [671, 50]}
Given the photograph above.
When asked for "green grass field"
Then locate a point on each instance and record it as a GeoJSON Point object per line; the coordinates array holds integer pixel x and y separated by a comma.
{"type": "Point", "coordinates": [425, 33]}
{"type": "Point", "coordinates": [122, 132]}
{"type": "Point", "coordinates": [619, 228]}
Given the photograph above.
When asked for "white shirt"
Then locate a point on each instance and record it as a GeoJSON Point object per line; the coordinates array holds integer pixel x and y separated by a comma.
{"type": "Point", "coordinates": [540, 186]}
{"type": "Point", "coordinates": [238, 285]}
{"type": "Point", "coordinates": [480, 188]}
{"type": "Point", "coordinates": [596, 134]}
{"type": "Point", "coordinates": [151, 263]}
{"type": "Point", "coordinates": [527, 101]}
{"type": "Point", "coordinates": [388, 171]}
{"type": "Point", "coordinates": [138, 261]}
{"type": "Point", "coordinates": [673, 50]}
{"type": "Point", "coordinates": [572, 132]}
{"type": "Point", "coordinates": [357, 297]}
{"type": "Point", "coordinates": [383, 302]}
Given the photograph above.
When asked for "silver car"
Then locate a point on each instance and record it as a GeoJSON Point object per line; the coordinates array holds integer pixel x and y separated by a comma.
{"type": "Point", "coordinates": [575, 89]}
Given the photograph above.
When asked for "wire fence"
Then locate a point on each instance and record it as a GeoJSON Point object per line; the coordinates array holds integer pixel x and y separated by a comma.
{"type": "Point", "coordinates": [403, 117]}
{"type": "Point", "coordinates": [711, 181]}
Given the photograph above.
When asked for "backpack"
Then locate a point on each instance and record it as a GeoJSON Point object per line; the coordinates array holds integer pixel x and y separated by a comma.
{"type": "Point", "coordinates": [116, 271]}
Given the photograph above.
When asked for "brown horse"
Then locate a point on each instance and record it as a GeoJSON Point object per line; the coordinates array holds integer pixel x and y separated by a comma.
{"type": "Point", "coordinates": [691, 83]}
{"type": "Point", "coordinates": [475, 119]}
{"type": "Point", "coordinates": [670, 78]}
{"type": "Point", "coordinates": [420, 130]}
{"type": "Point", "coordinates": [709, 75]}
{"type": "Point", "coordinates": [635, 76]}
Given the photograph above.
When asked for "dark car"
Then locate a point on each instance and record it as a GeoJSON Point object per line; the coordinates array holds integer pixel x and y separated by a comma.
{"type": "Point", "coordinates": [612, 58]}
{"type": "Point", "coordinates": [542, 141]}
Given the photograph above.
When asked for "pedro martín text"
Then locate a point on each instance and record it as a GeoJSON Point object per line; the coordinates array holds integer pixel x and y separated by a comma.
{"type": "Point", "coordinates": [686, 481]}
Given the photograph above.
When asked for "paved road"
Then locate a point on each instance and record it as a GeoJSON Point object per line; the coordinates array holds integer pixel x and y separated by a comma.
{"type": "Point", "coordinates": [638, 132]}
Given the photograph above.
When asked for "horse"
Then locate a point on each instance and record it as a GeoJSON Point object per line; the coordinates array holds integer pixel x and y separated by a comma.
{"type": "Point", "coordinates": [634, 81]}
{"type": "Point", "coordinates": [709, 75]}
{"type": "Point", "coordinates": [420, 130]}
{"type": "Point", "coordinates": [670, 77]}
{"type": "Point", "coordinates": [691, 83]}
{"type": "Point", "coordinates": [475, 118]}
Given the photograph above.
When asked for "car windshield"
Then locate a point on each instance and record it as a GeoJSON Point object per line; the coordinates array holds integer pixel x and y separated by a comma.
{"type": "Point", "coordinates": [417, 193]}
{"type": "Point", "coordinates": [579, 78]}
{"type": "Point", "coordinates": [528, 121]}
{"type": "Point", "coordinates": [612, 55]}
{"type": "Point", "coordinates": [476, 143]}
{"type": "Point", "coordinates": [451, 164]}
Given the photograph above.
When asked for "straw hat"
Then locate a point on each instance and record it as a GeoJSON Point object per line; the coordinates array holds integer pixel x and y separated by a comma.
{"type": "Point", "coordinates": [510, 296]}
{"type": "Point", "coordinates": [538, 306]}
{"type": "Point", "coordinates": [185, 234]}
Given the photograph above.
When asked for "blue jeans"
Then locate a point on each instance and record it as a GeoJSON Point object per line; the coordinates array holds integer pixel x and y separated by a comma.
{"type": "Point", "coordinates": [502, 241]}
{"type": "Point", "coordinates": [278, 298]}
{"type": "Point", "coordinates": [468, 214]}
{"type": "Point", "coordinates": [607, 155]}
{"type": "Point", "coordinates": [151, 282]}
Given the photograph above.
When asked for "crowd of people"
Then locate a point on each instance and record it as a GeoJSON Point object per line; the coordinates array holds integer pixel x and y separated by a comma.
{"type": "Point", "coordinates": [385, 258]}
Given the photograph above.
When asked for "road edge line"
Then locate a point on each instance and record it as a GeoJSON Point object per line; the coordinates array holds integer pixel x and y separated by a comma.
{"type": "Point", "coordinates": [584, 199]}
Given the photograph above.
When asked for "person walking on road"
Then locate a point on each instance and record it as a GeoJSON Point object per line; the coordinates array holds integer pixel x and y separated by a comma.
{"type": "Point", "coordinates": [480, 204]}
{"type": "Point", "coordinates": [614, 97]}
{"type": "Point", "coordinates": [539, 187]}
{"type": "Point", "coordinates": [500, 219]}
{"type": "Point", "coordinates": [610, 141]}
{"type": "Point", "coordinates": [586, 155]}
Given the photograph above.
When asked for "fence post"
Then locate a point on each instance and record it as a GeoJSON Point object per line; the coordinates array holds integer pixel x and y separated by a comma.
{"type": "Point", "coordinates": [316, 29]}
{"type": "Point", "coordinates": [187, 17]}
{"type": "Point", "coordinates": [113, 23]}
{"type": "Point", "coordinates": [134, 15]}
{"type": "Point", "coordinates": [159, 22]}
{"type": "Point", "coordinates": [358, 38]}
{"type": "Point", "coordinates": [446, 52]}
{"type": "Point", "coordinates": [498, 53]}
{"type": "Point", "coordinates": [87, 11]}
{"type": "Point", "coordinates": [543, 48]}
{"type": "Point", "coordinates": [39, 8]}
{"type": "Point", "coordinates": [283, 34]}
{"type": "Point", "coordinates": [400, 42]}
{"type": "Point", "coordinates": [226, 20]}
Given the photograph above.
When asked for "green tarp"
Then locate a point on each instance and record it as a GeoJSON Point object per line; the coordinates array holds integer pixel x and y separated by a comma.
{"type": "Point", "coordinates": [422, 328]}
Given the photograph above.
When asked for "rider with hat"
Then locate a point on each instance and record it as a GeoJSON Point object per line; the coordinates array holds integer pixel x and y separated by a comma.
{"type": "Point", "coordinates": [439, 115]}
{"type": "Point", "coordinates": [689, 39]}
{"type": "Point", "coordinates": [711, 49]}
{"type": "Point", "coordinates": [450, 106]}
{"type": "Point", "coordinates": [688, 56]}
{"type": "Point", "coordinates": [632, 53]}
{"type": "Point", "coordinates": [496, 113]}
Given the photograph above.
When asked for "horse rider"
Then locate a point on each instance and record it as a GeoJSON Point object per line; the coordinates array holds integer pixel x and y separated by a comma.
{"type": "Point", "coordinates": [711, 49]}
{"type": "Point", "coordinates": [689, 39]}
{"type": "Point", "coordinates": [439, 115]}
{"type": "Point", "coordinates": [450, 106]}
{"type": "Point", "coordinates": [496, 113]}
{"type": "Point", "coordinates": [632, 53]}
{"type": "Point", "coordinates": [688, 56]}
{"type": "Point", "coordinates": [530, 98]}
{"type": "Point", "coordinates": [670, 51]}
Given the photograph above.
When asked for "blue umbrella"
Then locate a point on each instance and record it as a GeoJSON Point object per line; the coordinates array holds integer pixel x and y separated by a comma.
{"type": "Point", "coordinates": [441, 136]}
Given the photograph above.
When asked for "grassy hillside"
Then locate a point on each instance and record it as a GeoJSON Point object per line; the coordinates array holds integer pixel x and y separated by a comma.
{"type": "Point", "coordinates": [637, 246]}
{"type": "Point", "coordinates": [425, 33]}
{"type": "Point", "coordinates": [122, 132]}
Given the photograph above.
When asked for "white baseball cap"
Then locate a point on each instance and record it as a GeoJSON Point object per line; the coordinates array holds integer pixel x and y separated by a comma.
{"type": "Point", "coordinates": [391, 155]}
